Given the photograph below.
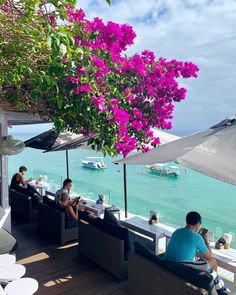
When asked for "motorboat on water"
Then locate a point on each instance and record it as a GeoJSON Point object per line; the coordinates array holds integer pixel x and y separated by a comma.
{"type": "Point", "coordinates": [96, 163]}
{"type": "Point", "coordinates": [163, 169]}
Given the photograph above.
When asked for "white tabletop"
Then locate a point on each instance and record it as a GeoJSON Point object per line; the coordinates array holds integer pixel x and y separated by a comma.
{"type": "Point", "coordinates": [225, 257]}
{"type": "Point", "coordinates": [7, 259]}
{"type": "Point", "coordinates": [11, 272]}
{"type": "Point", "coordinates": [24, 286]}
{"type": "Point", "coordinates": [40, 184]}
{"type": "Point", "coordinates": [90, 203]}
{"type": "Point", "coordinates": [158, 229]}
{"type": "Point", "coordinates": [96, 208]}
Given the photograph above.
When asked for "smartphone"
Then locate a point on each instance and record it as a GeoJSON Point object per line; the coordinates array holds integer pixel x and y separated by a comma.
{"type": "Point", "coordinates": [203, 231]}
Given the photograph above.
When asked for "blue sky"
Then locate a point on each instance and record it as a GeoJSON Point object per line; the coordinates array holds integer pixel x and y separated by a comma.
{"type": "Point", "coordinates": [202, 31]}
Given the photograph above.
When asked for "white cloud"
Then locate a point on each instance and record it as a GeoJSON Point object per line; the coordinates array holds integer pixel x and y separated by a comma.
{"type": "Point", "coordinates": [202, 31]}
{"type": "Point", "coordinates": [29, 129]}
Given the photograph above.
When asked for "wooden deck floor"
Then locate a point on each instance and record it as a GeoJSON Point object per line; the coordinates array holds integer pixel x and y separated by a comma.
{"type": "Point", "coordinates": [61, 270]}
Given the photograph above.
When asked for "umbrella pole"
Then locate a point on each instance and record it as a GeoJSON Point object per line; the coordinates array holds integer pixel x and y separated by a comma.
{"type": "Point", "coordinates": [125, 191]}
{"type": "Point", "coordinates": [67, 164]}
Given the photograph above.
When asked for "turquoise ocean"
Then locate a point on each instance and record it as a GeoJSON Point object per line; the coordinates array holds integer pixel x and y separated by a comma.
{"type": "Point", "coordinates": [173, 198]}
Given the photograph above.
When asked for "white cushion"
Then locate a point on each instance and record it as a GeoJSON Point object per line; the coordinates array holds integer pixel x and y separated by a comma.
{"type": "Point", "coordinates": [24, 286]}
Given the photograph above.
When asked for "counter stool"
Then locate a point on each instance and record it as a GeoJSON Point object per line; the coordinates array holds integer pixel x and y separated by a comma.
{"type": "Point", "coordinates": [7, 259]}
{"type": "Point", "coordinates": [11, 272]}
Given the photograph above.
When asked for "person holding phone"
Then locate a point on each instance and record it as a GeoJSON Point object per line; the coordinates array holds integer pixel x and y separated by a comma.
{"type": "Point", "coordinates": [187, 245]}
{"type": "Point", "coordinates": [203, 232]}
{"type": "Point", "coordinates": [71, 212]}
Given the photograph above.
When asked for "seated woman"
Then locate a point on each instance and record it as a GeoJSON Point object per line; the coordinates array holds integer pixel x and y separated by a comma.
{"type": "Point", "coordinates": [71, 209]}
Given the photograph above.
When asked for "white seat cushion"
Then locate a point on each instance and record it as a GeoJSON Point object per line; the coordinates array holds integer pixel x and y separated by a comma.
{"type": "Point", "coordinates": [24, 286]}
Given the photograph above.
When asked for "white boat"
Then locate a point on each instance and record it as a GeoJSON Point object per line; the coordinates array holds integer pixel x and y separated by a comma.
{"type": "Point", "coordinates": [94, 163]}
{"type": "Point", "coordinates": [163, 169]}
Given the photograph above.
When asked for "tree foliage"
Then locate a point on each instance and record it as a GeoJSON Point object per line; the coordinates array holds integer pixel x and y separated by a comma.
{"type": "Point", "coordinates": [55, 62]}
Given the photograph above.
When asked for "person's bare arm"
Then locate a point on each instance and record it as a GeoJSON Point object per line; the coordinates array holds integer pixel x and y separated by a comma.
{"type": "Point", "coordinates": [206, 255]}
{"type": "Point", "coordinates": [73, 214]}
{"type": "Point", "coordinates": [77, 201]}
{"type": "Point", "coordinates": [23, 182]}
{"type": "Point", "coordinates": [29, 180]}
{"type": "Point", "coordinates": [20, 178]}
{"type": "Point", "coordinates": [73, 202]}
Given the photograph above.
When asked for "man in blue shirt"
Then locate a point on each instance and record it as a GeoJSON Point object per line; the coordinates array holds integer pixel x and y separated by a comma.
{"type": "Point", "coordinates": [186, 243]}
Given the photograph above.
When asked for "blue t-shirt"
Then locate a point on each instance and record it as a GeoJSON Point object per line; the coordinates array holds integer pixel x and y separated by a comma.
{"type": "Point", "coordinates": [184, 244]}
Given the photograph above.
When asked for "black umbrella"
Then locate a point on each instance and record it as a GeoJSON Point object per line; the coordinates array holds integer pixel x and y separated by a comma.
{"type": "Point", "coordinates": [52, 141]}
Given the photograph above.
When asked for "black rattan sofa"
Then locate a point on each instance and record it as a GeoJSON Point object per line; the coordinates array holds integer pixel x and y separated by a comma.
{"type": "Point", "coordinates": [151, 274]}
{"type": "Point", "coordinates": [51, 222]}
{"type": "Point", "coordinates": [107, 244]}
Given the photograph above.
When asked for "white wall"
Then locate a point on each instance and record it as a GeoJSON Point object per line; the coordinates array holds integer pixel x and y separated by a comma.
{"type": "Point", "coordinates": [5, 210]}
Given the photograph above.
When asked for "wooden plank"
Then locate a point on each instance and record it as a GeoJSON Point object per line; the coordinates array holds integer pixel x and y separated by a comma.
{"type": "Point", "coordinates": [60, 269]}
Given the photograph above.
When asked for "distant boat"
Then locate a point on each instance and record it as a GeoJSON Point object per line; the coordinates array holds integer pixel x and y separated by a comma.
{"type": "Point", "coordinates": [163, 169]}
{"type": "Point", "coordinates": [96, 163]}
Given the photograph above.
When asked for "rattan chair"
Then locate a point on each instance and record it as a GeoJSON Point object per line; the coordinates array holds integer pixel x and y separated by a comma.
{"type": "Point", "coordinates": [146, 277]}
{"type": "Point", "coordinates": [51, 222]}
{"type": "Point", "coordinates": [21, 206]}
{"type": "Point", "coordinates": [104, 249]}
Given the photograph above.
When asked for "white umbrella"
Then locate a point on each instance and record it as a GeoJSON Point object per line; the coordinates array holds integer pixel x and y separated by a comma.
{"type": "Point", "coordinates": [211, 152]}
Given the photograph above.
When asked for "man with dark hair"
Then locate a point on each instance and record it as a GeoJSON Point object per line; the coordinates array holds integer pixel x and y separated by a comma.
{"type": "Point", "coordinates": [186, 243]}
{"type": "Point", "coordinates": [18, 179]}
{"type": "Point", "coordinates": [67, 184]}
{"type": "Point", "coordinates": [20, 185]}
{"type": "Point", "coordinates": [193, 218]}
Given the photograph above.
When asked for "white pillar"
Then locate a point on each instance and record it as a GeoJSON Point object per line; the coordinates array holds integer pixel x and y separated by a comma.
{"type": "Point", "coordinates": [5, 210]}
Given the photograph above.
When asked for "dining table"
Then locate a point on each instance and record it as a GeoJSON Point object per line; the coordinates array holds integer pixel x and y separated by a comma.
{"type": "Point", "coordinates": [40, 186]}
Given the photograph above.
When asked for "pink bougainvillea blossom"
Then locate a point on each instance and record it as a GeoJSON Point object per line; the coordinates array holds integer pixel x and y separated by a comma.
{"type": "Point", "coordinates": [89, 83]}
{"type": "Point", "coordinates": [155, 141]}
{"type": "Point", "coordinates": [137, 125]}
{"type": "Point", "coordinates": [128, 94]}
{"type": "Point", "coordinates": [73, 80]}
{"type": "Point", "coordinates": [99, 102]}
{"type": "Point", "coordinates": [85, 88]}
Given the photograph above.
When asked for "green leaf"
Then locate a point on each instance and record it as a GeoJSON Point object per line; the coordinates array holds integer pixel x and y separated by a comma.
{"type": "Point", "coordinates": [91, 140]}
{"type": "Point", "coordinates": [36, 94]}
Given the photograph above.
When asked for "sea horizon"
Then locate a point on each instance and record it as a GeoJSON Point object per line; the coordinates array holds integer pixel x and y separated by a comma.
{"type": "Point", "coordinates": [171, 197]}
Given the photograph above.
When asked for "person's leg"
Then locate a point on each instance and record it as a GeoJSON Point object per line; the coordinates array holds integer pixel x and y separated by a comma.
{"type": "Point", "coordinates": [218, 282]}
{"type": "Point", "coordinates": [204, 266]}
